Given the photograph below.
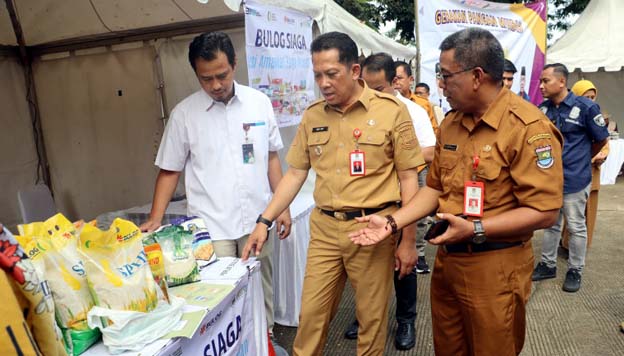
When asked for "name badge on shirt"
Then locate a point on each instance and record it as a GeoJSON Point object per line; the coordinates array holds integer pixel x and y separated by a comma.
{"type": "Point", "coordinates": [357, 163]}
{"type": "Point", "coordinates": [473, 198]}
{"type": "Point", "coordinates": [248, 153]}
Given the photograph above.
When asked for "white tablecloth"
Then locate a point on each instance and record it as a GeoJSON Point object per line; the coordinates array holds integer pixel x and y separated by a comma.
{"type": "Point", "coordinates": [218, 334]}
{"type": "Point", "coordinates": [611, 167]}
{"type": "Point", "coordinates": [289, 260]}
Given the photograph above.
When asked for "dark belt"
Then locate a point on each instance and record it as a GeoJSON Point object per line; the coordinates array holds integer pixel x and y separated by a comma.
{"type": "Point", "coordinates": [348, 215]}
{"type": "Point", "coordinates": [486, 246]}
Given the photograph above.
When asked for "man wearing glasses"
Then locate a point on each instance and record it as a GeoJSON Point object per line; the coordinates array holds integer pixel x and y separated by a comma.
{"type": "Point", "coordinates": [499, 153]}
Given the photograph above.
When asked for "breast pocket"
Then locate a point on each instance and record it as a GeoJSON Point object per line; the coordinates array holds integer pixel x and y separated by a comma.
{"type": "Point", "coordinates": [374, 146]}
{"type": "Point", "coordinates": [320, 156]}
{"type": "Point", "coordinates": [488, 172]}
{"type": "Point", "coordinates": [449, 168]}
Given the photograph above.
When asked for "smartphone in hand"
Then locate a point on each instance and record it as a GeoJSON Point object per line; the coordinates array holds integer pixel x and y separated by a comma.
{"type": "Point", "coordinates": [436, 229]}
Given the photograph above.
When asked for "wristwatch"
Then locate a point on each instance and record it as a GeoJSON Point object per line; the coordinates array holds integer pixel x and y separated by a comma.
{"type": "Point", "coordinates": [266, 222]}
{"type": "Point", "coordinates": [479, 232]}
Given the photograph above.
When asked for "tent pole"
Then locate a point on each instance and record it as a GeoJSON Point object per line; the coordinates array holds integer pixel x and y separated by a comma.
{"type": "Point", "coordinates": [43, 169]}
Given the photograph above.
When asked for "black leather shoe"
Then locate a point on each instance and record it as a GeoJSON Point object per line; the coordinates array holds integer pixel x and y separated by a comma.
{"type": "Point", "coordinates": [352, 331]}
{"type": "Point", "coordinates": [405, 337]}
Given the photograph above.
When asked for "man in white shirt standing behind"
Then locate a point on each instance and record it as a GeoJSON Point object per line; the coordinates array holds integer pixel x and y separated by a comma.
{"type": "Point", "coordinates": [378, 71]}
{"type": "Point", "coordinates": [225, 138]}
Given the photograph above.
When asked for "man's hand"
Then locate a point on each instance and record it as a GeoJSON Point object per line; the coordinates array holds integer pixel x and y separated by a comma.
{"type": "Point", "coordinates": [283, 224]}
{"type": "Point", "coordinates": [150, 225]}
{"type": "Point", "coordinates": [599, 159]}
{"type": "Point", "coordinates": [255, 241]}
{"type": "Point", "coordinates": [459, 230]}
{"type": "Point", "coordinates": [377, 230]}
{"type": "Point", "coordinates": [405, 257]}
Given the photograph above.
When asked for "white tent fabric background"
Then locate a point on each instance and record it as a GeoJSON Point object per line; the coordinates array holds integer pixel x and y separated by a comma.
{"type": "Point", "coordinates": [593, 49]}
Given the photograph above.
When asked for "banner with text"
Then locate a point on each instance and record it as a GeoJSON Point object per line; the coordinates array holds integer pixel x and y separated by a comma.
{"type": "Point", "coordinates": [520, 28]}
{"type": "Point", "coordinates": [278, 59]}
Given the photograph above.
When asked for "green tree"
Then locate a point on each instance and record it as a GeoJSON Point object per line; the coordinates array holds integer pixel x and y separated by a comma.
{"type": "Point", "coordinates": [379, 12]}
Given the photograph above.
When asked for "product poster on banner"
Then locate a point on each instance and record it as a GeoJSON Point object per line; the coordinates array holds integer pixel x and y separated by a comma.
{"type": "Point", "coordinates": [278, 59]}
{"type": "Point", "coordinates": [520, 28]}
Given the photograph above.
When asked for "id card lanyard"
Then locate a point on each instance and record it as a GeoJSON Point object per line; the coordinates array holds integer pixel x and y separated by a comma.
{"type": "Point", "coordinates": [357, 161]}
{"type": "Point", "coordinates": [474, 192]}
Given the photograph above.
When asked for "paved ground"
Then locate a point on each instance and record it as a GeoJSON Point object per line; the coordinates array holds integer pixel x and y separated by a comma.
{"type": "Point", "coordinates": [559, 323]}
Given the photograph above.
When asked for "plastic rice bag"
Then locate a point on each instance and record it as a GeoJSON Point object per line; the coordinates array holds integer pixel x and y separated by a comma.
{"type": "Point", "coordinates": [119, 274]}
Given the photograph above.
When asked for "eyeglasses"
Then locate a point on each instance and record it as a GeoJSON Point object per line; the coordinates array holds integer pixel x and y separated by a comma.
{"type": "Point", "coordinates": [445, 77]}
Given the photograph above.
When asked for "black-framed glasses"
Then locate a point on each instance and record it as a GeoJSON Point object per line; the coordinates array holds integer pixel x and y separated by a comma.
{"type": "Point", "coordinates": [445, 77]}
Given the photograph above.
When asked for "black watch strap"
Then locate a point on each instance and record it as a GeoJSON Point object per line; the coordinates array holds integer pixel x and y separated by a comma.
{"type": "Point", "coordinates": [266, 222]}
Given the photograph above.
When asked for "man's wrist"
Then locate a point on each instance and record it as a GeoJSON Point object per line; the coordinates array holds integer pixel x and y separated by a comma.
{"type": "Point", "coordinates": [390, 222]}
{"type": "Point", "coordinates": [263, 220]}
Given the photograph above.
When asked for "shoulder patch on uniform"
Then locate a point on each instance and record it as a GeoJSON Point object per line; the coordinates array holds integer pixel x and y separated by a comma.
{"type": "Point", "coordinates": [544, 157]}
{"type": "Point", "coordinates": [387, 96]}
{"type": "Point", "coordinates": [407, 135]}
{"type": "Point", "coordinates": [599, 120]}
{"type": "Point", "coordinates": [541, 136]}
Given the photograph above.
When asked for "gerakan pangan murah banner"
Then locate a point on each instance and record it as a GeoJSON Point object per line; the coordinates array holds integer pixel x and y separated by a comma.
{"type": "Point", "coordinates": [520, 28]}
{"type": "Point", "coordinates": [278, 59]}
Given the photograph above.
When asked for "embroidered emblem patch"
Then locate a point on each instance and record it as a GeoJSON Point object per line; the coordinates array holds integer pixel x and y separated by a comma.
{"type": "Point", "coordinates": [544, 157]}
{"type": "Point", "coordinates": [575, 112]}
{"type": "Point", "coordinates": [599, 120]}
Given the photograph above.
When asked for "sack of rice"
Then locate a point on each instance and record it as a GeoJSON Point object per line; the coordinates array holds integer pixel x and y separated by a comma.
{"type": "Point", "coordinates": [118, 272]}
{"type": "Point", "coordinates": [53, 247]}
{"type": "Point", "coordinates": [177, 248]}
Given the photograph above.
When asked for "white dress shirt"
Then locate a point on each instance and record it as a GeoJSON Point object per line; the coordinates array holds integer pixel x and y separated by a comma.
{"type": "Point", "coordinates": [205, 139]}
{"type": "Point", "coordinates": [422, 124]}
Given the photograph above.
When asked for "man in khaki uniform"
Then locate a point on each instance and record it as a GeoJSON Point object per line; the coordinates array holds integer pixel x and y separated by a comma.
{"type": "Point", "coordinates": [403, 83]}
{"type": "Point", "coordinates": [352, 124]}
{"type": "Point", "coordinates": [497, 144]}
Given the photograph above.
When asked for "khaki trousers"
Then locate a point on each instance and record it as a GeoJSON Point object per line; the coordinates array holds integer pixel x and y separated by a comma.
{"type": "Point", "coordinates": [332, 257]}
{"type": "Point", "coordinates": [234, 248]}
{"type": "Point", "coordinates": [478, 301]}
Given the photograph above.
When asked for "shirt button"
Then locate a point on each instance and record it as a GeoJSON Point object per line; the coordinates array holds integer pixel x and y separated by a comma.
{"type": "Point", "coordinates": [369, 138]}
{"type": "Point", "coordinates": [341, 145]}
{"type": "Point", "coordinates": [338, 171]}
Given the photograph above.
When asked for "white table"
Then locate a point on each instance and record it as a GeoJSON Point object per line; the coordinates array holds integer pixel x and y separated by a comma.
{"type": "Point", "coordinates": [245, 303]}
{"type": "Point", "coordinates": [611, 167]}
{"type": "Point", "coordinates": [289, 261]}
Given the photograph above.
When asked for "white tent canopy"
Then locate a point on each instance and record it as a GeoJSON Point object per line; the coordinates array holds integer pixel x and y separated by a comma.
{"type": "Point", "coordinates": [593, 49]}
{"type": "Point", "coordinates": [47, 21]}
{"type": "Point", "coordinates": [595, 40]}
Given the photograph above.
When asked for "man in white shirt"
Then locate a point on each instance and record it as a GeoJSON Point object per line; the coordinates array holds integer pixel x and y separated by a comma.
{"type": "Point", "coordinates": [225, 138]}
{"type": "Point", "coordinates": [378, 71]}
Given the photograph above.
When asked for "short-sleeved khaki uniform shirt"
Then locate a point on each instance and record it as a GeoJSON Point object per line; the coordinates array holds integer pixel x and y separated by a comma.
{"type": "Point", "coordinates": [325, 139]}
{"type": "Point", "coordinates": [519, 154]}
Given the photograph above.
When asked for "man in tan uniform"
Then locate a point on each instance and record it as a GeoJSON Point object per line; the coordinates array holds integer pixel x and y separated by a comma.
{"type": "Point", "coordinates": [497, 144]}
{"type": "Point", "coordinates": [352, 124]}
{"type": "Point", "coordinates": [403, 83]}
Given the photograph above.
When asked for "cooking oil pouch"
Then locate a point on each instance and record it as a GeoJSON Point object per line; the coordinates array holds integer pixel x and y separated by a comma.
{"type": "Point", "coordinates": [119, 274]}
{"type": "Point", "coordinates": [177, 248]}
{"type": "Point", "coordinates": [202, 243]}
{"type": "Point", "coordinates": [53, 246]}
{"type": "Point", "coordinates": [156, 262]}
